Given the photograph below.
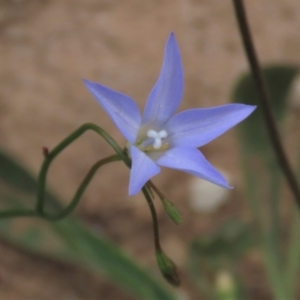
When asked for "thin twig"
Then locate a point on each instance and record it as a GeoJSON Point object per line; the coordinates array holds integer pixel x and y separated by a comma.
{"type": "Point", "coordinates": [265, 100]}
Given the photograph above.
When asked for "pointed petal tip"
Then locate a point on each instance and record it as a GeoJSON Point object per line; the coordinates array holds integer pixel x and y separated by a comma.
{"type": "Point", "coordinates": [90, 84]}
{"type": "Point", "coordinates": [192, 161]}
{"type": "Point", "coordinates": [227, 186]}
{"type": "Point", "coordinates": [123, 111]}
{"type": "Point", "coordinates": [172, 42]}
{"type": "Point", "coordinates": [222, 182]}
{"type": "Point", "coordinates": [247, 108]}
{"type": "Point", "coordinates": [251, 107]}
{"type": "Point", "coordinates": [86, 82]}
{"type": "Point", "coordinates": [197, 127]}
{"type": "Point", "coordinates": [132, 192]}
{"type": "Point", "coordinates": [172, 36]}
{"type": "Point", "coordinates": [165, 97]}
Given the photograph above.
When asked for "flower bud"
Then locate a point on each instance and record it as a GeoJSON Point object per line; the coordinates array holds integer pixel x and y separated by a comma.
{"type": "Point", "coordinates": [167, 268]}
{"type": "Point", "coordinates": [172, 211]}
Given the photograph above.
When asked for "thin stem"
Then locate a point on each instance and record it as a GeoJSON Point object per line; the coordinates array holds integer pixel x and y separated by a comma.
{"type": "Point", "coordinates": [154, 218]}
{"type": "Point", "coordinates": [84, 184]}
{"type": "Point", "coordinates": [265, 100]}
{"type": "Point", "coordinates": [155, 189]}
{"type": "Point", "coordinates": [14, 213]}
{"type": "Point", "coordinates": [60, 147]}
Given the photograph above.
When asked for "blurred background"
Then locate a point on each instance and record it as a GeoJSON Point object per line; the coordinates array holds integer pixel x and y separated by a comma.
{"type": "Point", "coordinates": [48, 46]}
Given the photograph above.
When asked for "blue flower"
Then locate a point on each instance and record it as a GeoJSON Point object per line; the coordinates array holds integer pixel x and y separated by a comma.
{"type": "Point", "coordinates": [161, 138]}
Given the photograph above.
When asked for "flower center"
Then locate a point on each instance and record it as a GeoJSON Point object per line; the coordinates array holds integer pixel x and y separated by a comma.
{"type": "Point", "coordinates": [152, 140]}
{"type": "Point", "coordinates": [157, 136]}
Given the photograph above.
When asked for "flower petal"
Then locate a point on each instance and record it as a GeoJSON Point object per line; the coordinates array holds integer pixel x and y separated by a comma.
{"type": "Point", "coordinates": [122, 109]}
{"type": "Point", "coordinates": [192, 161]}
{"type": "Point", "coordinates": [166, 95]}
{"type": "Point", "coordinates": [142, 169]}
{"type": "Point", "coordinates": [197, 127]}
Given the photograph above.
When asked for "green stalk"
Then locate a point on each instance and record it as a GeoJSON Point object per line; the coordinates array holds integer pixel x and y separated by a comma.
{"type": "Point", "coordinates": [165, 264]}
{"type": "Point", "coordinates": [19, 212]}
{"type": "Point", "coordinates": [81, 189]}
{"type": "Point", "coordinates": [49, 157]}
{"type": "Point", "coordinates": [150, 203]}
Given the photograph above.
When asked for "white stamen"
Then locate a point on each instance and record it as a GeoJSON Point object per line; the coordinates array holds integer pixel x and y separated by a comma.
{"type": "Point", "coordinates": [157, 136]}
{"type": "Point", "coordinates": [163, 134]}
{"type": "Point", "coordinates": [152, 133]}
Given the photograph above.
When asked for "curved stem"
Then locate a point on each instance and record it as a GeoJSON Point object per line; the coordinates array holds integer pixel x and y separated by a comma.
{"type": "Point", "coordinates": [265, 100]}
{"type": "Point", "coordinates": [154, 218]}
{"type": "Point", "coordinates": [60, 147]}
{"type": "Point", "coordinates": [84, 184]}
{"type": "Point", "coordinates": [49, 157]}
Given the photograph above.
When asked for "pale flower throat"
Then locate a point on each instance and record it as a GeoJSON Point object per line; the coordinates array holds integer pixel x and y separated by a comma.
{"type": "Point", "coordinates": [153, 141]}
{"type": "Point", "coordinates": [157, 136]}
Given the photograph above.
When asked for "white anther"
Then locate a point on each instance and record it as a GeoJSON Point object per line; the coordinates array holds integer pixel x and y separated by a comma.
{"type": "Point", "coordinates": [157, 136]}
{"type": "Point", "coordinates": [163, 134]}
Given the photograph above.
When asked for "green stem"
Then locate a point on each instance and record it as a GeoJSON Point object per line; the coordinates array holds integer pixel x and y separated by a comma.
{"type": "Point", "coordinates": [60, 147]}
{"type": "Point", "coordinates": [84, 184]}
{"type": "Point", "coordinates": [154, 218]}
{"type": "Point", "coordinates": [151, 186]}
{"type": "Point", "coordinates": [20, 212]}
{"type": "Point", "coordinates": [165, 264]}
